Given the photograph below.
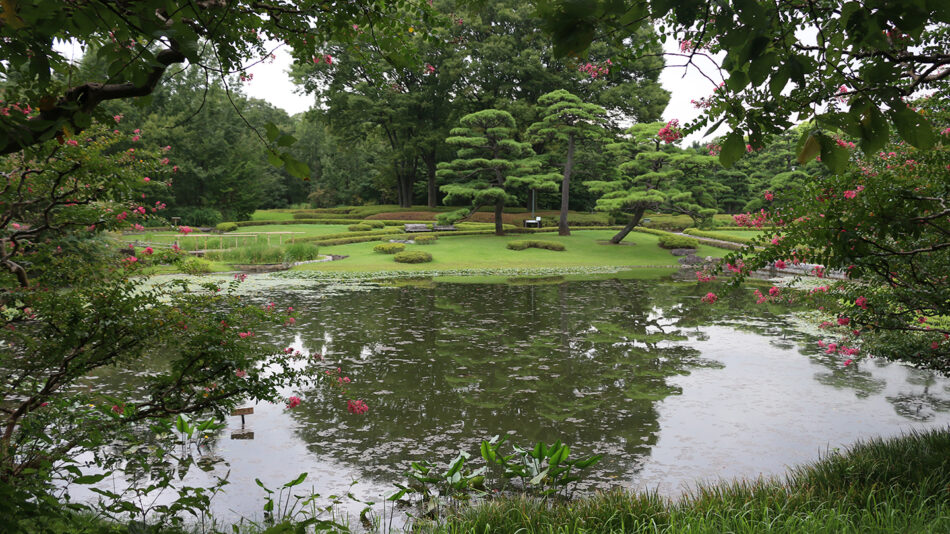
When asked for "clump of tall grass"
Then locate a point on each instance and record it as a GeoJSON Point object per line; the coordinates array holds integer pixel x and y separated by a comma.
{"type": "Point", "coordinates": [301, 252]}
{"type": "Point", "coordinates": [883, 485]}
{"type": "Point", "coordinates": [250, 254]}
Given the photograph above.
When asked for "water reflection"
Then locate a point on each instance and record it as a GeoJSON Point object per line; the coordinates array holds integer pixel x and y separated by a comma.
{"type": "Point", "coordinates": [668, 388]}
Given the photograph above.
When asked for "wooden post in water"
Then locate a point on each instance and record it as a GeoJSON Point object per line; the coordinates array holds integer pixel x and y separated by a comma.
{"type": "Point", "coordinates": [242, 433]}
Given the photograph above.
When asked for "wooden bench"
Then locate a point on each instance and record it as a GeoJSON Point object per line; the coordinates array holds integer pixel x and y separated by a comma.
{"type": "Point", "coordinates": [409, 228]}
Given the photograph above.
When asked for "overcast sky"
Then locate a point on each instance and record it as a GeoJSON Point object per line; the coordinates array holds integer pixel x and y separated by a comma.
{"type": "Point", "coordinates": [271, 83]}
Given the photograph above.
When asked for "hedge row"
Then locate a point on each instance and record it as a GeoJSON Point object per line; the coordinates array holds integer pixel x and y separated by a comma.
{"type": "Point", "coordinates": [324, 221]}
{"type": "Point", "coordinates": [721, 237]}
{"type": "Point", "coordinates": [677, 241]}
{"type": "Point", "coordinates": [385, 232]}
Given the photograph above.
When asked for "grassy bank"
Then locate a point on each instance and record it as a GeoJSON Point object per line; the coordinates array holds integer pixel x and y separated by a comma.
{"type": "Point", "coordinates": [884, 485]}
{"type": "Point", "coordinates": [582, 249]}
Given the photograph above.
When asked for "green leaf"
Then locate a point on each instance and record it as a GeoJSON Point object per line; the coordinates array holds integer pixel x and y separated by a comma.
{"type": "Point", "coordinates": [833, 156]}
{"type": "Point", "coordinates": [808, 148]}
{"type": "Point", "coordinates": [271, 131]}
{"type": "Point", "coordinates": [286, 140]}
{"type": "Point", "coordinates": [274, 159]}
{"type": "Point", "coordinates": [90, 479]}
{"type": "Point", "coordinates": [297, 481]}
{"type": "Point", "coordinates": [913, 127]}
{"type": "Point", "coordinates": [296, 168]}
{"type": "Point", "coordinates": [732, 149]}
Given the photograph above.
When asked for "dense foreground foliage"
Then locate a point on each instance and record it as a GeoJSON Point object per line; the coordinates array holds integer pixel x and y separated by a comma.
{"type": "Point", "coordinates": [893, 485]}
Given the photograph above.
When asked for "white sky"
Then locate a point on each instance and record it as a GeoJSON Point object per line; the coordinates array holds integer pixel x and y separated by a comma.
{"type": "Point", "coordinates": [272, 83]}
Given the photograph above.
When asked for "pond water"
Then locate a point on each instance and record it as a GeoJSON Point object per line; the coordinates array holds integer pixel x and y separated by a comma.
{"type": "Point", "coordinates": [672, 391]}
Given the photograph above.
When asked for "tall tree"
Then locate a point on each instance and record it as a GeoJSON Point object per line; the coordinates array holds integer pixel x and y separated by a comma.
{"type": "Point", "coordinates": [490, 162]}
{"type": "Point", "coordinates": [566, 121]}
{"type": "Point", "coordinates": [644, 179]}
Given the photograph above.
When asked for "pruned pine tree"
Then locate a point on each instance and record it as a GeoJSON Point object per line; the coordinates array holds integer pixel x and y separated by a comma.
{"type": "Point", "coordinates": [490, 163]}
{"type": "Point", "coordinates": [644, 180]}
{"type": "Point", "coordinates": [564, 121]}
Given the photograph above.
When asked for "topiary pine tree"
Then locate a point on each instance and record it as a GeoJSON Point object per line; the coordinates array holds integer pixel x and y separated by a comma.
{"type": "Point", "coordinates": [489, 163]}
{"type": "Point", "coordinates": [565, 120]}
{"type": "Point", "coordinates": [644, 180]}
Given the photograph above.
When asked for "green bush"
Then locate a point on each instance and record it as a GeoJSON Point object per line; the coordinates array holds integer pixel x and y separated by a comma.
{"type": "Point", "coordinates": [375, 224]}
{"type": "Point", "coordinates": [226, 227]}
{"type": "Point", "coordinates": [359, 227]}
{"type": "Point", "coordinates": [413, 256]}
{"type": "Point", "coordinates": [195, 266]}
{"type": "Point", "coordinates": [534, 243]}
{"type": "Point", "coordinates": [389, 248]}
{"type": "Point", "coordinates": [425, 239]}
{"type": "Point", "coordinates": [677, 241]}
{"type": "Point", "coordinates": [295, 252]}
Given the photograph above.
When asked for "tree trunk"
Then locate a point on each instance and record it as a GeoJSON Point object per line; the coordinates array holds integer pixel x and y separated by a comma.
{"type": "Point", "coordinates": [634, 221]}
{"type": "Point", "coordinates": [433, 192]}
{"type": "Point", "coordinates": [563, 228]}
{"type": "Point", "coordinates": [499, 208]}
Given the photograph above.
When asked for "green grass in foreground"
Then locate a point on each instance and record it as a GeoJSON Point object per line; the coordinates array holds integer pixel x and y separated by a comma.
{"type": "Point", "coordinates": [880, 486]}
{"type": "Point", "coordinates": [583, 249]}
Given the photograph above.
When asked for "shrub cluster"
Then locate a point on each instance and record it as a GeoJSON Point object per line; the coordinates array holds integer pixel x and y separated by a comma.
{"type": "Point", "coordinates": [359, 227]}
{"type": "Point", "coordinates": [677, 241]}
{"type": "Point", "coordinates": [535, 243]}
{"type": "Point", "coordinates": [195, 266]}
{"type": "Point", "coordinates": [226, 227]}
{"type": "Point", "coordinates": [413, 256]}
{"type": "Point", "coordinates": [389, 248]}
{"type": "Point", "coordinates": [425, 239]}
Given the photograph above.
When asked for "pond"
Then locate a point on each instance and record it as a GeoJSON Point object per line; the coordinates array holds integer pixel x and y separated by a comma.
{"type": "Point", "coordinates": [671, 390]}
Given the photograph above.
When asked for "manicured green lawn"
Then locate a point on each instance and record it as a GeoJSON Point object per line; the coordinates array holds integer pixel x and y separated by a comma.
{"type": "Point", "coordinates": [490, 252]}
{"type": "Point", "coordinates": [271, 215]}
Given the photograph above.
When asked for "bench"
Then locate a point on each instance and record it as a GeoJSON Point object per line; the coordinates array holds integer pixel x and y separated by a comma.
{"type": "Point", "coordinates": [409, 228]}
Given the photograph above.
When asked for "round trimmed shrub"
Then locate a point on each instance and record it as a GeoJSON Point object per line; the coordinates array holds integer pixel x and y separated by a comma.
{"type": "Point", "coordinates": [677, 241]}
{"type": "Point", "coordinates": [535, 243]}
{"type": "Point", "coordinates": [226, 227]}
{"type": "Point", "coordinates": [359, 227]}
{"type": "Point", "coordinates": [195, 266]}
{"type": "Point", "coordinates": [425, 239]}
{"type": "Point", "coordinates": [413, 256]}
{"type": "Point", "coordinates": [375, 224]}
{"type": "Point", "coordinates": [389, 248]}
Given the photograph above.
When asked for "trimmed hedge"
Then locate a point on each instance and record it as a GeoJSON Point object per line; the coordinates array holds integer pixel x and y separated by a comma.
{"type": "Point", "coordinates": [308, 214]}
{"type": "Point", "coordinates": [226, 227]}
{"type": "Point", "coordinates": [324, 221]}
{"type": "Point", "coordinates": [721, 237]}
{"type": "Point", "coordinates": [413, 256]}
{"type": "Point", "coordinates": [427, 239]}
{"type": "Point", "coordinates": [677, 241]}
{"type": "Point", "coordinates": [389, 248]}
{"type": "Point", "coordinates": [535, 243]}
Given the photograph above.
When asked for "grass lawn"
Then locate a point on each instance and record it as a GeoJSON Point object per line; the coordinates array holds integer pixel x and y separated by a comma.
{"type": "Point", "coordinates": [272, 215]}
{"type": "Point", "coordinates": [262, 234]}
{"type": "Point", "coordinates": [491, 252]}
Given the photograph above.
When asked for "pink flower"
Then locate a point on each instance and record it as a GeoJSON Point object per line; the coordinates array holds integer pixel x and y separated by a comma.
{"type": "Point", "coordinates": [185, 229]}
{"type": "Point", "coordinates": [844, 321]}
{"type": "Point", "coordinates": [240, 373]}
{"type": "Point", "coordinates": [164, 161]}
{"type": "Point", "coordinates": [148, 250]}
{"type": "Point", "coordinates": [293, 401]}
{"type": "Point", "coordinates": [136, 131]}
{"type": "Point", "coordinates": [768, 196]}
{"type": "Point", "coordinates": [175, 168]}
{"type": "Point", "coordinates": [175, 247]}
{"type": "Point", "coordinates": [773, 291]}
{"type": "Point", "coordinates": [357, 407]}
{"type": "Point", "coordinates": [146, 179]}
{"type": "Point", "coordinates": [848, 362]}
{"type": "Point", "coordinates": [850, 194]}
{"type": "Point", "coordinates": [861, 302]}
{"type": "Point", "coordinates": [118, 409]}
{"type": "Point", "coordinates": [240, 277]}
{"type": "Point", "coordinates": [921, 320]}
{"type": "Point", "coordinates": [166, 148]}
{"type": "Point", "coordinates": [117, 118]}
{"type": "Point", "coordinates": [72, 142]}
{"type": "Point", "coordinates": [934, 345]}
{"type": "Point", "coordinates": [832, 348]}
{"type": "Point", "coordinates": [710, 298]}
{"type": "Point", "coordinates": [779, 264]}
{"type": "Point", "coordinates": [289, 350]}
{"type": "Point", "coordinates": [243, 335]}
{"type": "Point", "coordinates": [135, 138]}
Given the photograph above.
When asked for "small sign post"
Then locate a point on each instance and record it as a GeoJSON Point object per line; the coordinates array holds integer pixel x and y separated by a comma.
{"type": "Point", "coordinates": [242, 433]}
